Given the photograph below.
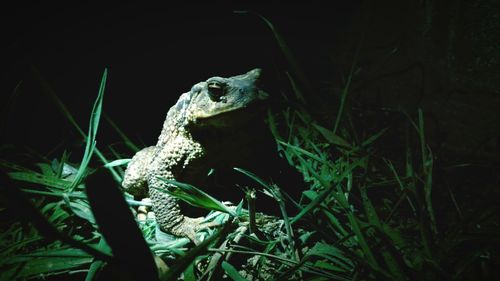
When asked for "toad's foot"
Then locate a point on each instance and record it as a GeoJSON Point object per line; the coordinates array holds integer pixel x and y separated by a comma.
{"type": "Point", "coordinates": [189, 226]}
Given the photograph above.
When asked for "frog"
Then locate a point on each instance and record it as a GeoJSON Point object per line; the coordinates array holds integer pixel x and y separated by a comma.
{"type": "Point", "coordinates": [205, 129]}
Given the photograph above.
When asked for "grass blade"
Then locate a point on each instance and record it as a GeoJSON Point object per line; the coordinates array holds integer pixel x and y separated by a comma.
{"type": "Point", "coordinates": [373, 138]}
{"type": "Point", "coordinates": [182, 263]}
{"type": "Point", "coordinates": [60, 105]}
{"type": "Point", "coordinates": [427, 165]}
{"type": "Point", "coordinates": [119, 228]}
{"type": "Point", "coordinates": [118, 162]}
{"type": "Point", "coordinates": [46, 265]}
{"type": "Point", "coordinates": [331, 137]}
{"type": "Point", "coordinates": [27, 211]}
{"type": "Point", "coordinates": [92, 133]}
{"type": "Point", "coordinates": [254, 177]}
{"type": "Point", "coordinates": [345, 91]}
{"type": "Point", "coordinates": [38, 178]}
{"type": "Point", "coordinates": [333, 254]}
{"type": "Point", "coordinates": [305, 152]}
{"type": "Point", "coordinates": [194, 196]}
{"type": "Point", "coordinates": [232, 272]}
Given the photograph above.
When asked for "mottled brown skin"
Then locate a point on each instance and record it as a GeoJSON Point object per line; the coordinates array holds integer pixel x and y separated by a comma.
{"type": "Point", "coordinates": [189, 144]}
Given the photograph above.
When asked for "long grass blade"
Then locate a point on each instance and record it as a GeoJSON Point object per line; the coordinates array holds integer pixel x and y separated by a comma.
{"type": "Point", "coordinates": [60, 105]}
{"type": "Point", "coordinates": [92, 133]}
{"type": "Point", "coordinates": [427, 166]}
{"type": "Point", "coordinates": [41, 179]}
{"type": "Point", "coordinates": [345, 91]}
{"type": "Point", "coordinates": [182, 263]}
{"type": "Point", "coordinates": [305, 152]}
{"type": "Point", "coordinates": [118, 162]}
{"type": "Point", "coordinates": [194, 196]}
{"type": "Point", "coordinates": [27, 211]}
{"type": "Point", "coordinates": [331, 137]}
{"type": "Point", "coordinates": [232, 272]}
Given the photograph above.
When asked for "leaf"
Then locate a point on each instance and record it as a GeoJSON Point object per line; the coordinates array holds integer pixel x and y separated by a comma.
{"type": "Point", "coordinates": [370, 212]}
{"type": "Point", "coordinates": [329, 188]}
{"type": "Point", "coordinates": [119, 228]}
{"type": "Point", "coordinates": [305, 152]}
{"type": "Point", "coordinates": [328, 266]}
{"type": "Point", "coordinates": [335, 256]}
{"type": "Point", "coordinates": [45, 262]}
{"type": "Point", "coordinates": [97, 265]}
{"type": "Point", "coordinates": [273, 125]}
{"type": "Point", "coordinates": [41, 179]}
{"type": "Point", "coordinates": [54, 213]}
{"type": "Point", "coordinates": [331, 137]}
{"type": "Point", "coordinates": [80, 208]}
{"type": "Point", "coordinates": [91, 136]}
{"type": "Point", "coordinates": [313, 204]}
{"type": "Point", "coordinates": [15, 167]}
{"type": "Point", "coordinates": [374, 137]}
{"type": "Point", "coordinates": [254, 177]}
{"type": "Point", "coordinates": [232, 272]}
{"type": "Point", "coordinates": [60, 105]}
{"type": "Point", "coordinates": [296, 90]}
{"type": "Point", "coordinates": [26, 210]}
{"type": "Point", "coordinates": [368, 255]}
{"type": "Point", "coordinates": [310, 194]}
{"type": "Point", "coordinates": [345, 91]}
{"type": "Point", "coordinates": [341, 231]}
{"type": "Point", "coordinates": [94, 269]}
{"type": "Point", "coordinates": [118, 162]}
{"type": "Point", "coordinates": [194, 196]}
{"type": "Point", "coordinates": [189, 273]}
{"type": "Point", "coordinates": [182, 263]}
{"type": "Point", "coordinates": [46, 169]}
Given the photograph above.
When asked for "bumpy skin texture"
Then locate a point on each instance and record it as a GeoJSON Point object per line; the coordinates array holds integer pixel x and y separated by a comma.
{"type": "Point", "coordinates": [188, 147]}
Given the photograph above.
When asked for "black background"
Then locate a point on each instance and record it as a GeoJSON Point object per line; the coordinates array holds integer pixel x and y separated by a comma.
{"type": "Point", "coordinates": [153, 54]}
{"type": "Point", "coordinates": [441, 56]}
{"type": "Point", "coordinates": [438, 56]}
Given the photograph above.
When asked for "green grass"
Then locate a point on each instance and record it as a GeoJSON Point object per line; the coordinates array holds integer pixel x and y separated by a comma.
{"type": "Point", "coordinates": [342, 231]}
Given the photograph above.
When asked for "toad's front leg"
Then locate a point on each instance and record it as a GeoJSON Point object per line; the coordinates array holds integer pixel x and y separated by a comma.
{"type": "Point", "coordinates": [169, 216]}
{"type": "Point", "coordinates": [178, 155]}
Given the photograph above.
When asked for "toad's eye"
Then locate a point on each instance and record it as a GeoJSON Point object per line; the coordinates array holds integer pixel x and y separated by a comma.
{"type": "Point", "coordinates": [215, 90]}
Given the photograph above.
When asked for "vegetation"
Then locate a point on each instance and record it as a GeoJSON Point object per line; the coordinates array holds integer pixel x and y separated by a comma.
{"type": "Point", "coordinates": [367, 215]}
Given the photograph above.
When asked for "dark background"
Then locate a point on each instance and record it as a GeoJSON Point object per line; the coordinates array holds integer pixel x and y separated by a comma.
{"type": "Point", "coordinates": [153, 54]}
{"type": "Point", "coordinates": [441, 56]}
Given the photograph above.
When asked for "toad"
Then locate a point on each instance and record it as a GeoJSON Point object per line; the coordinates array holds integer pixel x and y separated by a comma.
{"type": "Point", "coordinates": [203, 130]}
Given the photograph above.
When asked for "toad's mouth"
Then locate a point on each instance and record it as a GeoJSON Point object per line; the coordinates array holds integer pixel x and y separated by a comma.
{"type": "Point", "coordinates": [229, 118]}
